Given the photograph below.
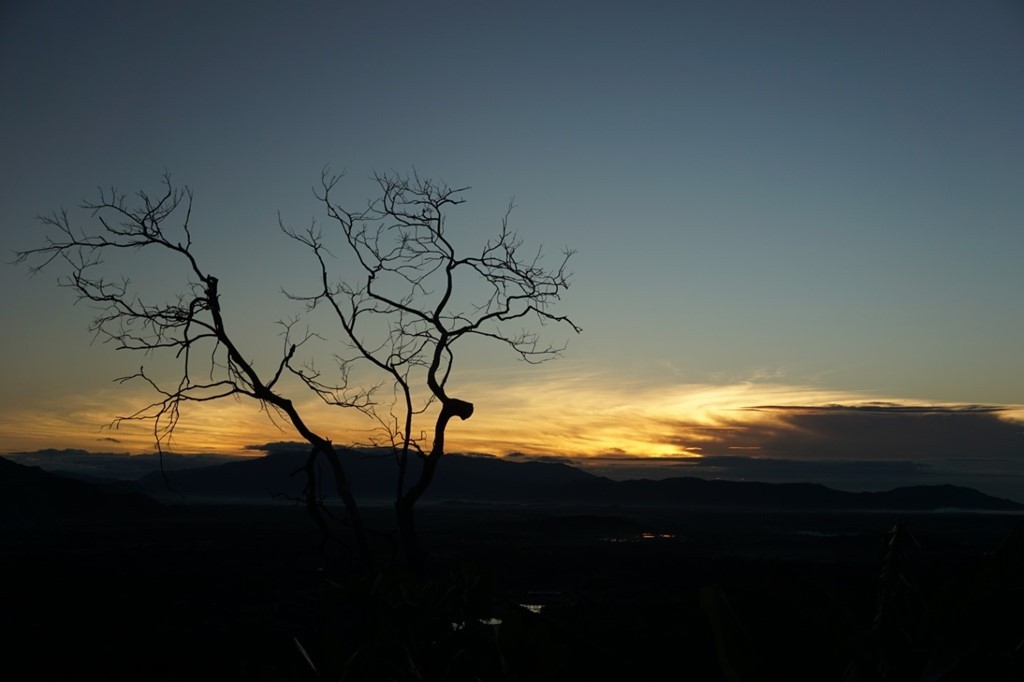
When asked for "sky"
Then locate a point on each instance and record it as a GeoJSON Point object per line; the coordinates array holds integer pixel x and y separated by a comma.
{"type": "Point", "coordinates": [799, 225]}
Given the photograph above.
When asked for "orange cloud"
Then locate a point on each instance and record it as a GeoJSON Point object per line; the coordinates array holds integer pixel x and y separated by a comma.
{"type": "Point", "coordinates": [588, 414]}
{"type": "Point", "coordinates": [549, 410]}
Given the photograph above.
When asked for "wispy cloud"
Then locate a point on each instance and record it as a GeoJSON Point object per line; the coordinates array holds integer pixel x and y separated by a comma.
{"type": "Point", "coordinates": [590, 414]}
{"type": "Point", "coordinates": [565, 411]}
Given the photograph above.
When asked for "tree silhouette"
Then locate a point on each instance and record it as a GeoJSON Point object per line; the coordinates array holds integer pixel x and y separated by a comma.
{"type": "Point", "coordinates": [408, 300]}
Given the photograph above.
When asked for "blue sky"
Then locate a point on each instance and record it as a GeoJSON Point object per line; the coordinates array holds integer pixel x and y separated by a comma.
{"type": "Point", "coordinates": [786, 204]}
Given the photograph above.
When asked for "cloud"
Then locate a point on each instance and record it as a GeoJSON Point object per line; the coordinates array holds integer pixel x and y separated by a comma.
{"type": "Point", "coordinates": [586, 414]}
{"type": "Point", "coordinates": [866, 445]}
{"type": "Point", "coordinates": [868, 431]}
{"type": "Point", "coordinates": [596, 419]}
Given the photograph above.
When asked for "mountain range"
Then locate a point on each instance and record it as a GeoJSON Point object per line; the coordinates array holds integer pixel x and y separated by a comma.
{"type": "Point", "coordinates": [28, 493]}
{"type": "Point", "coordinates": [491, 479]}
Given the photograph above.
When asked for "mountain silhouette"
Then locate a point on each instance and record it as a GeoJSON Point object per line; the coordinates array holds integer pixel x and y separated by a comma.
{"type": "Point", "coordinates": [491, 479]}
{"type": "Point", "coordinates": [86, 465]}
{"type": "Point", "coordinates": [31, 494]}
{"type": "Point", "coordinates": [372, 477]}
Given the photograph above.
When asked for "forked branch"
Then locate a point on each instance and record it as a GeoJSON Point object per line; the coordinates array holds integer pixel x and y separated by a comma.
{"type": "Point", "coordinates": [188, 330]}
{"type": "Point", "coordinates": [407, 296]}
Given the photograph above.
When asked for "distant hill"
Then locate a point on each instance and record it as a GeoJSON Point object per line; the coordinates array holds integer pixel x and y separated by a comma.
{"type": "Point", "coordinates": [87, 465]}
{"type": "Point", "coordinates": [372, 477]}
{"type": "Point", "coordinates": [698, 492]}
{"type": "Point", "coordinates": [31, 494]}
{"type": "Point", "coordinates": [490, 479]}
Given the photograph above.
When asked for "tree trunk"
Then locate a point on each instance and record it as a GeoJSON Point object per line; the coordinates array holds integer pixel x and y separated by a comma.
{"type": "Point", "coordinates": [405, 505]}
{"type": "Point", "coordinates": [410, 552]}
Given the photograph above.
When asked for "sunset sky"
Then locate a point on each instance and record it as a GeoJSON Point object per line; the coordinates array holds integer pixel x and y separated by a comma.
{"type": "Point", "coordinates": [800, 225]}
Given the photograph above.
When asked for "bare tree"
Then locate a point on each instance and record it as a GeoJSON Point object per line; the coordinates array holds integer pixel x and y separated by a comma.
{"type": "Point", "coordinates": [410, 302]}
{"type": "Point", "coordinates": [189, 330]}
{"type": "Point", "coordinates": [405, 301]}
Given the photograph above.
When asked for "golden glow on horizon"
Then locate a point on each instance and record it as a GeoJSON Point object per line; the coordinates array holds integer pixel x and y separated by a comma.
{"type": "Point", "coordinates": [539, 412]}
{"type": "Point", "coordinates": [85, 422]}
{"type": "Point", "coordinates": [591, 415]}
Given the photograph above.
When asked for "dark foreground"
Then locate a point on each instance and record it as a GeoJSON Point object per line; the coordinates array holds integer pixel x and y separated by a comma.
{"type": "Point", "coordinates": [230, 592]}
